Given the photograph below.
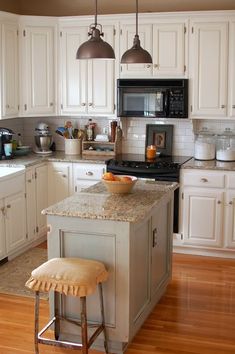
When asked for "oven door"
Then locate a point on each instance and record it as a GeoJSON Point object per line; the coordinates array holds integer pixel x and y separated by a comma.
{"type": "Point", "coordinates": [142, 102]}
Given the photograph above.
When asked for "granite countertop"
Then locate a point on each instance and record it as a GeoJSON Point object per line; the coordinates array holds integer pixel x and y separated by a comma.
{"type": "Point", "coordinates": [96, 203]}
{"type": "Point", "coordinates": [209, 165]}
{"type": "Point", "coordinates": [57, 156]}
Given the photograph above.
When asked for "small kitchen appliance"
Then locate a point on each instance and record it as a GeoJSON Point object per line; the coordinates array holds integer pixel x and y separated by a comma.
{"type": "Point", "coordinates": [43, 139]}
{"type": "Point", "coordinates": [5, 138]}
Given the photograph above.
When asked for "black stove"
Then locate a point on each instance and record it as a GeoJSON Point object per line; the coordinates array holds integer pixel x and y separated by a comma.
{"type": "Point", "coordinates": [161, 168]}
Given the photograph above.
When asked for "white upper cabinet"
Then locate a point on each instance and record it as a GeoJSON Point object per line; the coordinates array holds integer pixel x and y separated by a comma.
{"type": "Point", "coordinates": [10, 88]}
{"type": "Point", "coordinates": [38, 68]}
{"type": "Point", "coordinates": [165, 41]}
{"type": "Point", "coordinates": [209, 57]}
{"type": "Point", "coordinates": [231, 102]}
{"type": "Point", "coordinates": [87, 85]}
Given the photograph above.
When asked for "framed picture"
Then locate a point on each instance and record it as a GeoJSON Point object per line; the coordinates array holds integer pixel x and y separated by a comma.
{"type": "Point", "coordinates": [160, 135]}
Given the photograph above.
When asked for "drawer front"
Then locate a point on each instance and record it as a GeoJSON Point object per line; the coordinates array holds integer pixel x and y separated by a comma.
{"type": "Point", "coordinates": [89, 171]}
{"type": "Point", "coordinates": [203, 179]}
{"type": "Point", "coordinates": [231, 180]}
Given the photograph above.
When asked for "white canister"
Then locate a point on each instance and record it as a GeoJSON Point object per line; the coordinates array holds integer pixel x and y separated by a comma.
{"type": "Point", "coordinates": [204, 147]}
{"type": "Point", "coordinates": [73, 146]}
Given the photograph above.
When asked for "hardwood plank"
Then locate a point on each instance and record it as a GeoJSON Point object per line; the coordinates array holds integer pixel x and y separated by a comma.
{"type": "Point", "coordinates": [195, 316]}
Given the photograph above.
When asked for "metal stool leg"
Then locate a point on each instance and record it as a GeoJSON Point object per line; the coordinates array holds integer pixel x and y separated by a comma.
{"type": "Point", "coordinates": [36, 320]}
{"type": "Point", "coordinates": [84, 325]}
{"type": "Point", "coordinates": [57, 312]}
{"type": "Point", "coordinates": [102, 317]}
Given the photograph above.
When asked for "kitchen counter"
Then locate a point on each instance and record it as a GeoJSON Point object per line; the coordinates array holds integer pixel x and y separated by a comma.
{"type": "Point", "coordinates": [96, 203]}
{"type": "Point", "coordinates": [132, 235]}
{"type": "Point", "coordinates": [57, 156]}
{"type": "Point", "coordinates": [209, 165]}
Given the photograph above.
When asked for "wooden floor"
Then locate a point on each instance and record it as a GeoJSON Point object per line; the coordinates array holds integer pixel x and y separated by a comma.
{"type": "Point", "coordinates": [196, 315]}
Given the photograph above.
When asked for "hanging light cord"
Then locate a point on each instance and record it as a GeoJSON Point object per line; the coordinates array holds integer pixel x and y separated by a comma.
{"type": "Point", "coordinates": [95, 13]}
{"type": "Point", "coordinates": [136, 17]}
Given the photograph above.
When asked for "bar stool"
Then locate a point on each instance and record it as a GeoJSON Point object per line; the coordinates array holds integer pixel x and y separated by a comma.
{"type": "Point", "coordinates": [69, 276]}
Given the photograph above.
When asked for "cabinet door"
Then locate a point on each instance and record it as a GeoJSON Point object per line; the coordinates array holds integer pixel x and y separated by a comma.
{"type": "Point", "coordinates": [10, 99]}
{"type": "Point", "coordinates": [101, 80]}
{"type": "Point", "coordinates": [168, 49]}
{"type": "Point", "coordinates": [232, 70]}
{"type": "Point", "coordinates": [209, 53]}
{"type": "Point", "coordinates": [202, 217]}
{"type": "Point", "coordinates": [59, 181]}
{"type": "Point", "coordinates": [30, 203]}
{"type": "Point", "coordinates": [2, 231]}
{"type": "Point", "coordinates": [229, 224]}
{"type": "Point", "coordinates": [126, 42]}
{"type": "Point", "coordinates": [160, 248]}
{"type": "Point", "coordinates": [41, 199]}
{"type": "Point", "coordinates": [39, 60]}
{"type": "Point", "coordinates": [74, 72]}
{"type": "Point", "coordinates": [15, 221]}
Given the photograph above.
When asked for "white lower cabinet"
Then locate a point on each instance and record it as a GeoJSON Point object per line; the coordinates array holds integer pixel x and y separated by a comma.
{"type": "Point", "coordinates": [59, 181]}
{"type": "Point", "coordinates": [3, 251]}
{"type": "Point", "coordinates": [36, 201]}
{"type": "Point", "coordinates": [85, 175]}
{"type": "Point", "coordinates": [207, 211]}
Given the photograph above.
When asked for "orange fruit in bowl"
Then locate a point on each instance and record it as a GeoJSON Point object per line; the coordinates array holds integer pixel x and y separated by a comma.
{"type": "Point", "coordinates": [116, 178]}
{"type": "Point", "coordinates": [108, 176]}
{"type": "Point", "coordinates": [126, 179]}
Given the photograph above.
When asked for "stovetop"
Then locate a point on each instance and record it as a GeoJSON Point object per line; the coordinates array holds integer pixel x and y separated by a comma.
{"type": "Point", "coordinates": [139, 162]}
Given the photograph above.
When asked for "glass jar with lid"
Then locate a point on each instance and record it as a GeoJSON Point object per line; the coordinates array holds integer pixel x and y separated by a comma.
{"type": "Point", "coordinates": [204, 146]}
{"type": "Point", "coordinates": [225, 146]}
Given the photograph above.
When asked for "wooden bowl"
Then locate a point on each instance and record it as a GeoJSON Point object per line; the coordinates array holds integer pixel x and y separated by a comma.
{"type": "Point", "coordinates": [120, 187]}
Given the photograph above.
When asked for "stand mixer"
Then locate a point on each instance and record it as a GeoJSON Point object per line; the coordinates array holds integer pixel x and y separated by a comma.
{"type": "Point", "coordinates": [43, 139]}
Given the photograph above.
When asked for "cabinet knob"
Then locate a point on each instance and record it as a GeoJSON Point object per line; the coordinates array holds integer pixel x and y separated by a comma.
{"type": "Point", "coordinates": [222, 106]}
{"type": "Point", "coordinates": [64, 176]}
{"type": "Point", "coordinates": [231, 203]}
{"type": "Point", "coordinates": [51, 104]}
{"type": "Point", "coordinates": [29, 181]}
{"type": "Point", "coordinates": [233, 106]}
{"type": "Point", "coordinates": [83, 103]}
{"type": "Point", "coordinates": [90, 104]}
{"type": "Point", "coordinates": [204, 180]}
{"type": "Point", "coordinates": [89, 173]}
{"type": "Point", "coordinates": [155, 65]}
{"type": "Point", "coordinates": [219, 202]}
{"type": "Point", "coordinates": [8, 206]}
{"type": "Point", "coordinates": [148, 66]}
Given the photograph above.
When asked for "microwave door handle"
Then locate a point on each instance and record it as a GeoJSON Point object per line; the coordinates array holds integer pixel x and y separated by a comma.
{"type": "Point", "coordinates": [166, 103]}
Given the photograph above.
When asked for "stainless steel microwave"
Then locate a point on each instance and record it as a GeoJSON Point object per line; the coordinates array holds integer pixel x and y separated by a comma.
{"type": "Point", "coordinates": [167, 98]}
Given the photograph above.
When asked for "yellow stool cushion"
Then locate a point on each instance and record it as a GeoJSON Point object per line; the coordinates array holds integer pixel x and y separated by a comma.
{"type": "Point", "coordinates": [70, 276]}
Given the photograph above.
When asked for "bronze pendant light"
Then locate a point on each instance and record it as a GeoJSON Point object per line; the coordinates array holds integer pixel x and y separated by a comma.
{"type": "Point", "coordinates": [95, 47]}
{"type": "Point", "coordinates": [136, 54]}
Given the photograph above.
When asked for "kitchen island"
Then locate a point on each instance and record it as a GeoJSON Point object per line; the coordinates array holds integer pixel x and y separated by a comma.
{"type": "Point", "coordinates": [132, 235]}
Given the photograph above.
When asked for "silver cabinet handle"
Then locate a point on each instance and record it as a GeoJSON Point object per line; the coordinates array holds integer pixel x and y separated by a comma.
{"type": "Point", "coordinates": [83, 103]}
{"type": "Point", "coordinates": [148, 66]}
{"type": "Point", "coordinates": [90, 104]}
{"type": "Point", "coordinates": [155, 65]}
{"type": "Point", "coordinates": [231, 203]}
{"type": "Point", "coordinates": [219, 202]}
{"type": "Point", "coordinates": [204, 180]}
{"type": "Point", "coordinates": [8, 206]}
{"type": "Point", "coordinates": [51, 104]}
{"type": "Point", "coordinates": [89, 173]}
{"type": "Point", "coordinates": [222, 106]}
{"type": "Point", "coordinates": [155, 238]}
{"type": "Point", "coordinates": [233, 106]}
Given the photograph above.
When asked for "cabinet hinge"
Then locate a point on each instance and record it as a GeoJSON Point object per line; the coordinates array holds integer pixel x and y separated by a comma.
{"type": "Point", "coordinates": [35, 175]}
{"type": "Point", "coordinates": [120, 31]}
{"type": "Point", "coordinates": [120, 68]}
{"type": "Point", "coordinates": [191, 108]}
{"type": "Point", "coordinates": [76, 188]}
{"type": "Point", "coordinates": [18, 107]}
{"type": "Point", "coordinates": [61, 106]}
{"type": "Point", "coordinates": [25, 107]}
{"type": "Point", "coordinates": [17, 32]}
{"type": "Point", "coordinates": [61, 34]}
{"type": "Point", "coordinates": [192, 30]}
{"type": "Point", "coordinates": [185, 29]}
{"type": "Point", "coordinates": [25, 195]}
{"type": "Point", "coordinates": [114, 32]}
{"type": "Point", "coordinates": [182, 196]}
{"type": "Point", "coordinates": [181, 236]}
{"type": "Point", "coordinates": [114, 107]}
{"type": "Point", "coordinates": [27, 236]}
{"type": "Point", "coordinates": [37, 229]}
{"type": "Point", "coordinates": [24, 33]}
{"type": "Point", "coordinates": [184, 68]}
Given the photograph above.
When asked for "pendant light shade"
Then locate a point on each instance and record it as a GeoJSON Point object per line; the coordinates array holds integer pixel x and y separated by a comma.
{"type": "Point", "coordinates": [136, 54]}
{"type": "Point", "coordinates": [95, 47]}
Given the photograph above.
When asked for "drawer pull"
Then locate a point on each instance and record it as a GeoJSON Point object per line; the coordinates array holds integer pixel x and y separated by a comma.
{"type": "Point", "coordinates": [231, 203]}
{"type": "Point", "coordinates": [148, 66]}
{"type": "Point", "coordinates": [222, 106]}
{"type": "Point", "coordinates": [233, 106]}
{"type": "Point", "coordinates": [204, 180]}
{"type": "Point", "coordinates": [219, 202]}
{"type": "Point", "coordinates": [83, 103]}
{"type": "Point", "coordinates": [90, 104]}
{"type": "Point", "coordinates": [89, 173]}
{"type": "Point", "coordinates": [29, 181]}
{"type": "Point", "coordinates": [8, 206]}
